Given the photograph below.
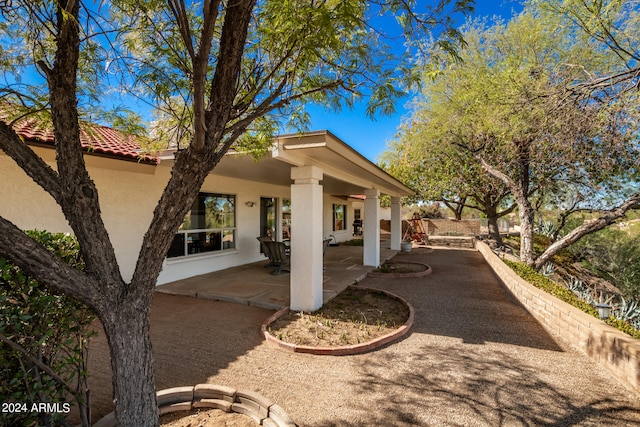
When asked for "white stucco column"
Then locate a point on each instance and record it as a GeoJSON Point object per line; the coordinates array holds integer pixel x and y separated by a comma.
{"type": "Point", "coordinates": [371, 255]}
{"type": "Point", "coordinates": [306, 239]}
{"type": "Point", "coordinates": [396, 223]}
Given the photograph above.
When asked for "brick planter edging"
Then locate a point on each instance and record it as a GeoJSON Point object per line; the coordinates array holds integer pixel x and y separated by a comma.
{"type": "Point", "coordinates": [210, 396]}
{"type": "Point", "coordinates": [612, 349]}
{"type": "Point", "coordinates": [423, 273]}
{"type": "Point", "coordinates": [342, 350]}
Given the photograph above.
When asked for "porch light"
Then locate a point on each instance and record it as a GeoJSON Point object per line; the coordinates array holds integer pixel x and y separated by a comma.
{"type": "Point", "coordinates": [604, 310]}
{"type": "Point", "coordinates": [250, 204]}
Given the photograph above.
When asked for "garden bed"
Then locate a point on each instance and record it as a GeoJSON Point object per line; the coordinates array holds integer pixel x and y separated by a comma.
{"type": "Point", "coordinates": [357, 320]}
{"type": "Point", "coordinates": [401, 269]}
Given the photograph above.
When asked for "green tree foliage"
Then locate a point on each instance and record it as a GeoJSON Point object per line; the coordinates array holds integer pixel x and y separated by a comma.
{"type": "Point", "coordinates": [426, 156]}
{"type": "Point", "coordinates": [504, 110]}
{"type": "Point", "coordinates": [43, 341]}
{"type": "Point", "coordinates": [602, 25]}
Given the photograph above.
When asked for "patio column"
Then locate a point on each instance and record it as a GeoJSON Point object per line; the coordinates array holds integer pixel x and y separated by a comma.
{"type": "Point", "coordinates": [396, 223]}
{"type": "Point", "coordinates": [371, 255]}
{"type": "Point", "coordinates": [306, 239]}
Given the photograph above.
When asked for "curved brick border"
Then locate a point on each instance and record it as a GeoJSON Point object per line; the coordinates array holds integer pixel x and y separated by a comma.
{"type": "Point", "coordinates": [427, 271]}
{"type": "Point", "coordinates": [210, 396]}
{"type": "Point", "coordinates": [343, 350]}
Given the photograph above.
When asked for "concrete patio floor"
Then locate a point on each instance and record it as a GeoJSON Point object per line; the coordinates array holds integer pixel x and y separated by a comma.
{"type": "Point", "coordinates": [252, 284]}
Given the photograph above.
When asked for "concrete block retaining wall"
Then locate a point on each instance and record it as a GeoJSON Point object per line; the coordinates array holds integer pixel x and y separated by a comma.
{"type": "Point", "coordinates": [614, 350]}
{"type": "Point", "coordinates": [445, 227]}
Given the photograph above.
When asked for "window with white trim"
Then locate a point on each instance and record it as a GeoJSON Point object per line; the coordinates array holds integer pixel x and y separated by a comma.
{"type": "Point", "coordinates": [209, 226]}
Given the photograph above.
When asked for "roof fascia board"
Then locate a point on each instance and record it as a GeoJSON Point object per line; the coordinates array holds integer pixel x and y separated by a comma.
{"type": "Point", "coordinates": [343, 149]}
{"type": "Point", "coordinates": [325, 139]}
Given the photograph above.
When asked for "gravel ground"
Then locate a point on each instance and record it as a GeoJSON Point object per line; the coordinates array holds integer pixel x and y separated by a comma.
{"type": "Point", "coordinates": [473, 358]}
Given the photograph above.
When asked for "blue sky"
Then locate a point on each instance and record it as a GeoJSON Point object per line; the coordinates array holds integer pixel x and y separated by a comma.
{"type": "Point", "coordinates": [370, 137]}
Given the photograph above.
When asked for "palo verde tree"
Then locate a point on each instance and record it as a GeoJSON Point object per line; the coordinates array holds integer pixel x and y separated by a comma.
{"type": "Point", "coordinates": [217, 73]}
{"type": "Point", "coordinates": [425, 155]}
{"type": "Point", "coordinates": [505, 104]}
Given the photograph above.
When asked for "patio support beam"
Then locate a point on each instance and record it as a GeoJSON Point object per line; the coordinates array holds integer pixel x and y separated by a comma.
{"type": "Point", "coordinates": [306, 238]}
{"type": "Point", "coordinates": [396, 223]}
{"type": "Point", "coordinates": [371, 255]}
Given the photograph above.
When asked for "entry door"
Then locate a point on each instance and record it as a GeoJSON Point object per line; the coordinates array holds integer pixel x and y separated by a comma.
{"type": "Point", "coordinates": [268, 217]}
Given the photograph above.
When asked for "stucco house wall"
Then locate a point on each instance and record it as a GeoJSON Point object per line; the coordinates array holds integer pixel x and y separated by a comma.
{"type": "Point", "coordinates": [129, 192]}
{"type": "Point", "coordinates": [247, 248]}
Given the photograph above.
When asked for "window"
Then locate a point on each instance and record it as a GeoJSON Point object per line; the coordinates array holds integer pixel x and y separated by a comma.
{"type": "Point", "coordinates": [209, 226]}
{"type": "Point", "coordinates": [339, 217]}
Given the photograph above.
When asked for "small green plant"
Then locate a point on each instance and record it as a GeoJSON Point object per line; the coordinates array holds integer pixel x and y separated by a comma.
{"type": "Point", "coordinates": [623, 326]}
{"type": "Point", "coordinates": [344, 338]}
{"type": "Point", "coordinates": [43, 334]}
{"type": "Point", "coordinates": [548, 269]}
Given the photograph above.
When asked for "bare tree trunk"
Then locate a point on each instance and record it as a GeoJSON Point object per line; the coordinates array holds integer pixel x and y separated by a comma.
{"type": "Point", "coordinates": [456, 207]}
{"type": "Point", "coordinates": [127, 332]}
{"type": "Point", "coordinates": [492, 223]}
{"type": "Point", "coordinates": [526, 214]}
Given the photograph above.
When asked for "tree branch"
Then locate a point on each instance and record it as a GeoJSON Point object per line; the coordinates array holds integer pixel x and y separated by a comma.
{"type": "Point", "coordinates": [39, 364]}
{"type": "Point", "coordinates": [41, 173]}
{"type": "Point", "coordinates": [590, 227]}
{"type": "Point", "coordinates": [223, 86]}
{"type": "Point", "coordinates": [45, 266]}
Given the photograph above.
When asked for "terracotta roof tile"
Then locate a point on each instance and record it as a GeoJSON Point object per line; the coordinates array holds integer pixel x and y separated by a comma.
{"type": "Point", "coordinates": [95, 139]}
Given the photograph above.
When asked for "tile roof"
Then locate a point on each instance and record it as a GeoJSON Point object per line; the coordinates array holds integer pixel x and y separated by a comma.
{"type": "Point", "coordinates": [95, 139]}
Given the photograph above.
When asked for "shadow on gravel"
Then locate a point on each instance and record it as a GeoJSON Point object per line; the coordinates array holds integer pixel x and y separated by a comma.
{"type": "Point", "coordinates": [192, 340]}
{"type": "Point", "coordinates": [462, 298]}
{"type": "Point", "coordinates": [477, 388]}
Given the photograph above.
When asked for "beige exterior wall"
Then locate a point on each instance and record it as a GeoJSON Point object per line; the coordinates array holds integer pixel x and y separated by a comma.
{"type": "Point", "coordinates": [129, 192]}
{"type": "Point", "coordinates": [120, 188]}
{"type": "Point", "coordinates": [247, 229]}
{"type": "Point", "coordinates": [347, 233]}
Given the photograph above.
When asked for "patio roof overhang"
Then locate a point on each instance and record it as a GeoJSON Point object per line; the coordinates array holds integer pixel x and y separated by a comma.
{"type": "Point", "coordinates": [345, 171]}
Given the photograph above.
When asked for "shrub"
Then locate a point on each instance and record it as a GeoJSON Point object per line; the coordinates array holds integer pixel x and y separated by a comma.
{"type": "Point", "coordinates": [614, 255]}
{"type": "Point", "coordinates": [623, 326]}
{"type": "Point", "coordinates": [43, 351]}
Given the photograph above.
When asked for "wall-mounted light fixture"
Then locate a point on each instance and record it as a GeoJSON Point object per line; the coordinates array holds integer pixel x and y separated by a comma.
{"type": "Point", "coordinates": [250, 204]}
{"type": "Point", "coordinates": [604, 310]}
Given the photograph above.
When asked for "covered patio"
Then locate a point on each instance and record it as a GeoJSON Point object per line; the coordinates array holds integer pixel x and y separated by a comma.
{"type": "Point", "coordinates": [322, 171]}
{"type": "Point", "coordinates": [252, 284]}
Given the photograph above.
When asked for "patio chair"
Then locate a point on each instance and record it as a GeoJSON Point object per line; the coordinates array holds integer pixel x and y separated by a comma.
{"type": "Point", "coordinates": [265, 249]}
{"type": "Point", "coordinates": [278, 255]}
{"type": "Point", "coordinates": [325, 245]}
